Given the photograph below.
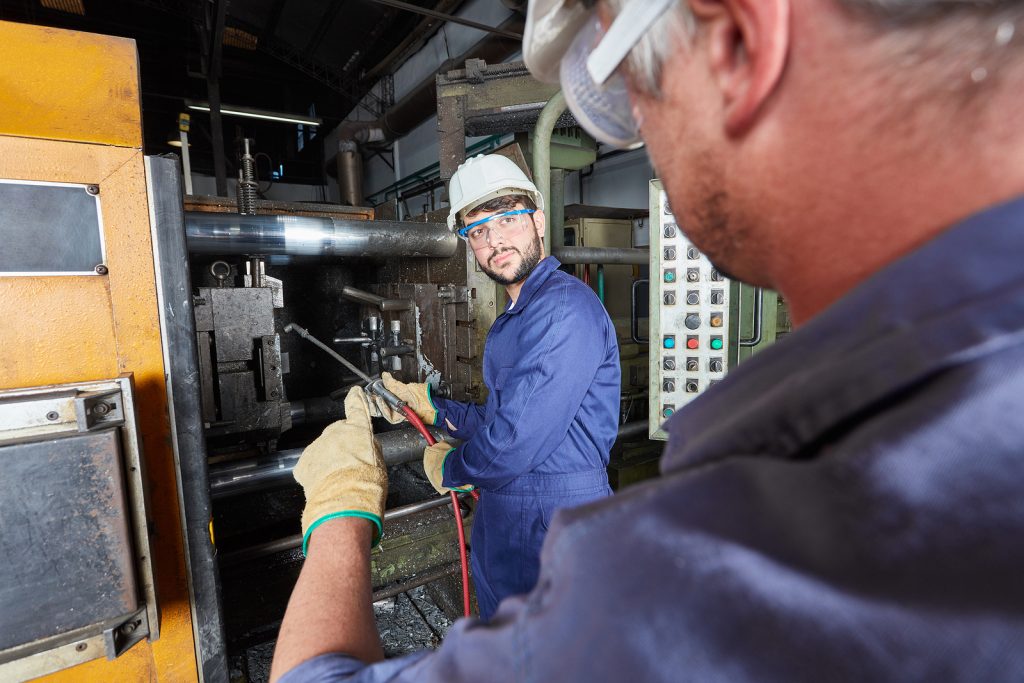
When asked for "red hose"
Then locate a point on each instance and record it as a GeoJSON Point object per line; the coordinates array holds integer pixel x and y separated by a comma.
{"type": "Point", "coordinates": [416, 422]}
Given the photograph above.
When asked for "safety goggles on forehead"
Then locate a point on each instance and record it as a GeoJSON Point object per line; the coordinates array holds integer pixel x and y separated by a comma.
{"type": "Point", "coordinates": [596, 94]}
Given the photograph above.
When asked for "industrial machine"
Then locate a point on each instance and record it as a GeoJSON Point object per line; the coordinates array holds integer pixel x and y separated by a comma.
{"type": "Point", "coordinates": [153, 402]}
{"type": "Point", "coordinates": [152, 406]}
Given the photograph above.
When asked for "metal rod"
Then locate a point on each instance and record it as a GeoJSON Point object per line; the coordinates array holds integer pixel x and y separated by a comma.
{"type": "Point", "coordinates": [304, 333]}
{"type": "Point", "coordinates": [380, 302]}
{"type": "Point", "coordinates": [397, 446]}
{"type": "Point", "coordinates": [448, 17]}
{"type": "Point", "coordinates": [314, 236]}
{"type": "Point", "coordinates": [290, 542]}
{"type": "Point", "coordinates": [632, 429]}
{"type": "Point", "coordinates": [415, 582]}
{"type": "Point", "coordinates": [610, 256]}
{"type": "Point", "coordinates": [403, 350]}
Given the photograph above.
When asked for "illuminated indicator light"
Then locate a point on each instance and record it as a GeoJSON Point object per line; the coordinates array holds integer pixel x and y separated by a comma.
{"type": "Point", "coordinates": [670, 276]}
{"type": "Point", "coordinates": [670, 343]}
{"type": "Point", "coordinates": [716, 344]}
{"type": "Point", "coordinates": [667, 412]}
{"type": "Point", "coordinates": [716, 320]}
{"type": "Point", "coordinates": [693, 343]}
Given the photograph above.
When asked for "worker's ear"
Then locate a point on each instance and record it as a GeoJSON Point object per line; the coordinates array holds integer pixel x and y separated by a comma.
{"type": "Point", "coordinates": [747, 43]}
{"type": "Point", "coordinates": [540, 222]}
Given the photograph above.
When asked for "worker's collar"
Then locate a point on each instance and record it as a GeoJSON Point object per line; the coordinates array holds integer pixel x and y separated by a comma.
{"type": "Point", "coordinates": [533, 283]}
{"type": "Point", "coordinates": [958, 297]}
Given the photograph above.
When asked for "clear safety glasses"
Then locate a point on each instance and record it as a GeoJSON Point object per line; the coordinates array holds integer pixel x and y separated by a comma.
{"type": "Point", "coordinates": [507, 224]}
{"type": "Point", "coordinates": [594, 90]}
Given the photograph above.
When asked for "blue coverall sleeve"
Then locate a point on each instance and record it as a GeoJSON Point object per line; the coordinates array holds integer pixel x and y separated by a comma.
{"type": "Point", "coordinates": [465, 417]}
{"type": "Point", "coordinates": [539, 395]}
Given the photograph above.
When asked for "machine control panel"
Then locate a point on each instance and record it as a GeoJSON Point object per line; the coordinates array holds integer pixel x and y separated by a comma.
{"type": "Point", "coordinates": [689, 319]}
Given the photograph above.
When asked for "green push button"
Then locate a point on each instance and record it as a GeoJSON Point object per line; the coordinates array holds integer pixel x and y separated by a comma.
{"type": "Point", "coordinates": [716, 343]}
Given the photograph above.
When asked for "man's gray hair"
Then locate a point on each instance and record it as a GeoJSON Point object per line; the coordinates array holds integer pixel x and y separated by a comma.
{"type": "Point", "coordinates": [1002, 18]}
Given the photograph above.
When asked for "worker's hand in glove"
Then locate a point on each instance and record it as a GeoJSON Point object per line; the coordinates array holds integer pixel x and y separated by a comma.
{"type": "Point", "coordinates": [343, 473]}
{"type": "Point", "coordinates": [433, 463]}
{"type": "Point", "coordinates": [416, 395]}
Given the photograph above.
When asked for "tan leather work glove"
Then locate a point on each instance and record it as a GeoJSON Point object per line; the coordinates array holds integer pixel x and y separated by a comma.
{"type": "Point", "coordinates": [343, 473]}
{"type": "Point", "coordinates": [433, 464]}
{"type": "Point", "coordinates": [416, 395]}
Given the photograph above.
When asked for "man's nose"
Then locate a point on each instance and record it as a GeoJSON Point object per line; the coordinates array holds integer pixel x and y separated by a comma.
{"type": "Point", "coordinates": [494, 237]}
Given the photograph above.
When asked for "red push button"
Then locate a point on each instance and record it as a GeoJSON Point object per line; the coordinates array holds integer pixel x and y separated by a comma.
{"type": "Point", "coordinates": [692, 342]}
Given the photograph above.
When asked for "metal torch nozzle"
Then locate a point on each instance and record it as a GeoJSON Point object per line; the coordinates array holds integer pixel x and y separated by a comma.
{"type": "Point", "coordinates": [377, 388]}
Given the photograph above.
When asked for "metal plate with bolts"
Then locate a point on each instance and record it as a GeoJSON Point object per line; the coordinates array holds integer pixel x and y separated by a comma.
{"type": "Point", "coordinates": [76, 582]}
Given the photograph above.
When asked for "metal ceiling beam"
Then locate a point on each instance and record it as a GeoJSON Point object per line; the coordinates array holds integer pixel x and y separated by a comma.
{"type": "Point", "coordinates": [324, 27]}
{"type": "Point", "coordinates": [273, 17]}
{"type": "Point", "coordinates": [214, 34]}
{"type": "Point", "coordinates": [449, 17]}
{"type": "Point", "coordinates": [412, 43]}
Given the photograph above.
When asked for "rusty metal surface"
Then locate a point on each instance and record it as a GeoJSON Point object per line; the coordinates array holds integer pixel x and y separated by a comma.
{"type": "Point", "coordinates": [64, 500]}
{"type": "Point", "coordinates": [266, 206]}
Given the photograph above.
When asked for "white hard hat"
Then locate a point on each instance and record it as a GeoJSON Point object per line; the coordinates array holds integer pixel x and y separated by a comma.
{"type": "Point", "coordinates": [484, 177]}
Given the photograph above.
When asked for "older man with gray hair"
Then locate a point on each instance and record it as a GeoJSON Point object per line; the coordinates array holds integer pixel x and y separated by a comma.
{"type": "Point", "coordinates": [846, 505]}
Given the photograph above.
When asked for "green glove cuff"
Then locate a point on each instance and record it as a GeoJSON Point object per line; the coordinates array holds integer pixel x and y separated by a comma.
{"type": "Point", "coordinates": [465, 489]}
{"type": "Point", "coordinates": [437, 413]}
{"type": "Point", "coordinates": [345, 513]}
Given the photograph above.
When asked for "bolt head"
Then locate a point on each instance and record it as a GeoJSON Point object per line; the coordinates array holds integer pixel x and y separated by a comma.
{"type": "Point", "coordinates": [52, 415]}
{"type": "Point", "coordinates": [101, 269]}
{"type": "Point", "coordinates": [92, 189]}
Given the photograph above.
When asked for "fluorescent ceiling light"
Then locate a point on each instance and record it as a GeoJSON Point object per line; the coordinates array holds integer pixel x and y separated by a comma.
{"type": "Point", "coordinates": [249, 113]}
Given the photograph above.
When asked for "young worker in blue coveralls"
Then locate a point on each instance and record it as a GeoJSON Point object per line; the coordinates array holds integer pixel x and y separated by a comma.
{"type": "Point", "coordinates": [551, 366]}
{"type": "Point", "coordinates": [847, 504]}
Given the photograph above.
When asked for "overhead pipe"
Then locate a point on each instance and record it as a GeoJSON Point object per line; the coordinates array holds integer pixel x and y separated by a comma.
{"type": "Point", "coordinates": [541, 154]}
{"type": "Point", "coordinates": [350, 173]}
{"type": "Point", "coordinates": [609, 256]}
{"type": "Point", "coordinates": [314, 236]}
{"type": "Point", "coordinates": [420, 102]}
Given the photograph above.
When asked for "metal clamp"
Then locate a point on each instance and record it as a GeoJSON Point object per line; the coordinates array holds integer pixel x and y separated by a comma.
{"type": "Point", "coordinates": [119, 638]}
{"type": "Point", "coordinates": [98, 410]}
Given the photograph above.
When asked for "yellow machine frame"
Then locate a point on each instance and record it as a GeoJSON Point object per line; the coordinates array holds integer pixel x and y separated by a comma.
{"type": "Point", "coordinates": [70, 112]}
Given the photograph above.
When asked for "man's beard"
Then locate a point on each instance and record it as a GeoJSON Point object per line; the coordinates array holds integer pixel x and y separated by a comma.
{"type": "Point", "coordinates": [715, 222]}
{"type": "Point", "coordinates": [527, 263]}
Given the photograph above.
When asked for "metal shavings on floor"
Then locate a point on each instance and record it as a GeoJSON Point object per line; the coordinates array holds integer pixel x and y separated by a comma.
{"type": "Point", "coordinates": [409, 622]}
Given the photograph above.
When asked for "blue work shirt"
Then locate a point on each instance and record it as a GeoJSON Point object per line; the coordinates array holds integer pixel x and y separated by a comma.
{"type": "Point", "coordinates": [541, 441]}
{"type": "Point", "coordinates": [846, 505]}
